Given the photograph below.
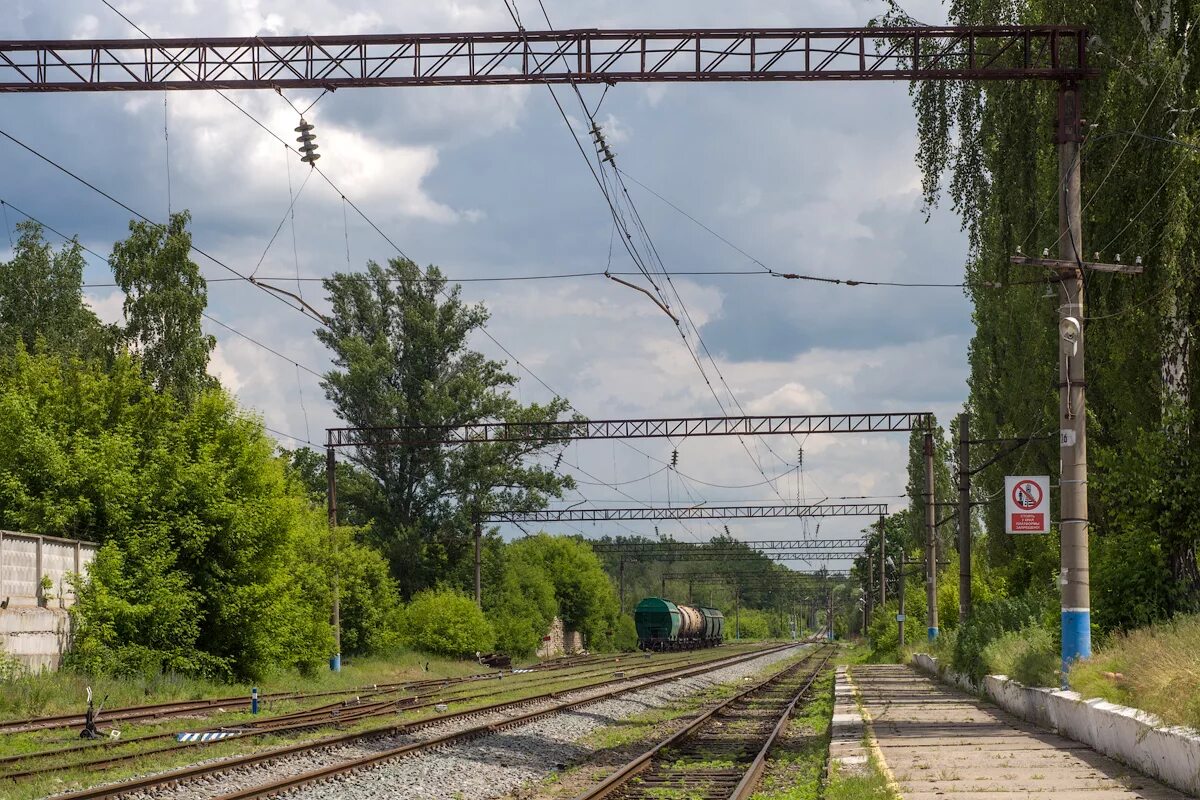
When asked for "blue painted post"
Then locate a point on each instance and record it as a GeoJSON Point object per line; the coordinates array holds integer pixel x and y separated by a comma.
{"type": "Point", "coordinates": [254, 700]}
{"type": "Point", "coordinates": [930, 541]}
{"type": "Point", "coordinates": [1073, 493]}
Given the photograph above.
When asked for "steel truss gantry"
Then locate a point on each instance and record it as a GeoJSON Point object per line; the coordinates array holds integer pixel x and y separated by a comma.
{"type": "Point", "coordinates": [755, 576]}
{"type": "Point", "coordinates": [664, 428]}
{"type": "Point", "coordinates": [727, 546]}
{"type": "Point", "coordinates": [698, 512]}
{"type": "Point", "coordinates": [1044, 52]}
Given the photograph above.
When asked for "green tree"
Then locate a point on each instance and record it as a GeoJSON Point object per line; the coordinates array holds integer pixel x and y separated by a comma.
{"type": "Point", "coordinates": [202, 567]}
{"type": "Point", "coordinates": [446, 622]}
{"type": "Point", "coordinates": [583, 592]}
{"type": "Point", "coordinates": [41, 299]}
{"type": "Point", "coordinates": [165, 297]}
{"type": "Point", "coordinates": [399, 340]}
{"type": "Point", "coordinates": [990, 141]}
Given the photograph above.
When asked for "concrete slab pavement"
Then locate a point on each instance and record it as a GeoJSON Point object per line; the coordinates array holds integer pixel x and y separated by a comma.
{"type": "Point", "coordinates": [941, 743]}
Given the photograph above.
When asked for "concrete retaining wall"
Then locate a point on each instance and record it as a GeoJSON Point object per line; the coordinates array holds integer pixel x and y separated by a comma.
{"type": "Point", "coordinates": [1169, 753]}
{"type": "Point", "coordinates": [34, 624]}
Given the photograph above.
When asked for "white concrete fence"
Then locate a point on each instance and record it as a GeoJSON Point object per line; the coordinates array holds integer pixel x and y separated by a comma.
{"type": "Point", "coordinates": [35, 628]}
{"type": "Point", "coordinates": [26, 559]}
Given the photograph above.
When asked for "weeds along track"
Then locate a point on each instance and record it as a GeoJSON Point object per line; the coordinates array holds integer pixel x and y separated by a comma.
{"type": "Point", "coordinates": [722, 753]}
{"type": "Point", "coordinates": [340, 714]}
{"type": "Point", "coordinates": [155, 711]}
{"type": "Point", "coordinates": [295, 765]}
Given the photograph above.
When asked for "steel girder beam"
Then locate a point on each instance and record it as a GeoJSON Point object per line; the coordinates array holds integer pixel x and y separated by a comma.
{"type": "Point", "coordinates": [698, 512]}
{"type": "Point", "coordinates": [676, 427]}
{"type": "Point", "coordinates": [1040, 52]}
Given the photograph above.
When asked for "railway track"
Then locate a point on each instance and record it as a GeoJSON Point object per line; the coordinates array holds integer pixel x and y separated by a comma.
{"type": "Point", "coordinates": [160, 711]}
{"type": "Point", "coordinates": [29, 765]}
{"type": "Point", "coordinates": [722, 753]}
{"type": "Point", "coordinates": [549, 703]}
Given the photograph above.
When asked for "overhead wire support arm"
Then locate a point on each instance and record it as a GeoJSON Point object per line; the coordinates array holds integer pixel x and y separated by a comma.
{"type": "Point", "coordinates": [1043, 52]}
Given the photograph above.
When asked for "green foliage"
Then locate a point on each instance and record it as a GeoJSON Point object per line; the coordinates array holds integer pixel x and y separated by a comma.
{"type": "Point", "coordinates": [164, 299]}
{"type": "Point", "coordinates": [445, 622]}
{"type": "Point", "coordinates": [522, 607]}
{"type": "Point", "coordinates": [41, 299]}
{"type": "Point", "coordinates": [990, 140]}
{"type": "Point", "coordinates": [398, 338]}
{"type": "Point", "coordinates": [1029, 655]}
{"type": "Point", "coordinates": [990, 621]}
{"type": "Point", "coordinates": [625, 639]}
{"type": "Point", "coordinates": [198, 571]}
{"type": "Point", "coordinates": [582, 591]}
{"type": "Point", "coordinates": [752, 623]}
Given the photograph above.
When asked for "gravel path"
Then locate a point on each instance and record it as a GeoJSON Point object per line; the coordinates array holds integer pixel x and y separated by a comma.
{"type": "Point", "coordinates": [493, 765]}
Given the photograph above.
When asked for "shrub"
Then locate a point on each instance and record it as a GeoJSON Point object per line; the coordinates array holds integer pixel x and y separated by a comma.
{"type": "Point", "coordinates": [582, 590]}
{"type": "Point", "coordinates": [625, 639]}
{"type": "Point", "coordinates": [523, 607]}
{"type": "Point", "coordinates": [445, 622]}
{"type": "Point", "coordinates": [988, 622]}
{"type": "Point", "coordinates": [753, 624]}
{"type": "Point", "coordinates": [1028, 655]}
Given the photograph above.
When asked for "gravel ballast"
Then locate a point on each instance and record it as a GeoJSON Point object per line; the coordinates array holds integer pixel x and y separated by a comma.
{"type": "Point", "coordinates": [494, 765]}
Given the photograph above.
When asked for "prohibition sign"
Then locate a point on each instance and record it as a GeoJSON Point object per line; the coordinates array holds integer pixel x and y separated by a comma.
{"type": "Point", "coordinates": [1027, 495]}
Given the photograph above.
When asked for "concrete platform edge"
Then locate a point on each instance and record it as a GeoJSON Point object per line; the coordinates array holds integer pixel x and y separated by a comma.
{"type": "Point", "coordinates": [1140, 740]}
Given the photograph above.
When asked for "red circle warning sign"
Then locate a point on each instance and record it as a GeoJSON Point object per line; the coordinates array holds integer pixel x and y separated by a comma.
{"type": "Point", "coordinates": [1027, 494]}
{"type": "Point", "coordinates": [1025, 504]}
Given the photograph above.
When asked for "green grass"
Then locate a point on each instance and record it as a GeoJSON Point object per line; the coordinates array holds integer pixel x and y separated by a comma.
{"type": "Point", "coordinates": [511, 688]}
{"type": "Point", "coordinates": [798, 761]}
{"type": "Point", "coordinates": [1158, 671]}
{"type": "Point", "coordinates": [872, 785]}
{"type": "Point", "coordinates": [65, 692]}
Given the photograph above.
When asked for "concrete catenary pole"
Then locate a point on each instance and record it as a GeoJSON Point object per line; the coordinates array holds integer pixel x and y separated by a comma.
{"type": "Point", "coordinates": [869, 592]}
{"type": "Point", "coordinates": [964, 517]}
{"type": "Point", "coordinates": [478, 554]}
{"type": "Point", "coordinates": [1073, 492]}
{"type": "Point", "coordinates": [930, 542]}
{"type": "Point", "coordinates": [882, 564]}
{"type": "Point", "coordinates": [335, 663]}
{"type": "Point", "coordinates": [900, 591]}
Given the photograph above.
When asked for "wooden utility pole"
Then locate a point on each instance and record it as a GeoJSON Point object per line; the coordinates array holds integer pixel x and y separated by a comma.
{"type": "Point", "coordinates": [964, 517]}
{"type": "Point", "coordinates": [930, 542]}
{"type": "Point", "coordinates": [335, 663]}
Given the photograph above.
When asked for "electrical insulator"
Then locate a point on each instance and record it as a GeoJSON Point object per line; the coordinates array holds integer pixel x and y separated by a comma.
{"type": "Point", "coordinates": [307, 142]}
{"type": "Point", "coordinates": [674, 458]}
{"type": "Point", "coordinates": [557, 460]}
{"type": "Point", "coordinates": [727, 533]}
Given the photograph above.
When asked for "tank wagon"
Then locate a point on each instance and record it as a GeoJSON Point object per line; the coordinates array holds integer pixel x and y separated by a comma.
{"type": "Point", "coordinates": [663, 625]}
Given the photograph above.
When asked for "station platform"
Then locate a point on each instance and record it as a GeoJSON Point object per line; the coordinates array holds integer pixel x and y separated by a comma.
{"type": "Point", "coordinates": [937, 742]}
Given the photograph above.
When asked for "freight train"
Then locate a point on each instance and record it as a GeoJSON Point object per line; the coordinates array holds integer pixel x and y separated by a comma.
{"type": "Point", "coordinates": [663, 625]}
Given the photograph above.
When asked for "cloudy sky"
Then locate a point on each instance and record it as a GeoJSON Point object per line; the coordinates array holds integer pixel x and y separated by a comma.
{"type": "Point", "coordinates": [487, 182]}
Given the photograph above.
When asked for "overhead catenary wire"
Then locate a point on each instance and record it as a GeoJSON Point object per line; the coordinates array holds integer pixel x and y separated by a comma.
{"type": "Point", "coordinates": [599, 175]}
{"type": "Point", "coordinates": [369, 221]}
{"type": "Point", "coordinates": [6, 204]}
{"type": "Point", "coordinates": [269, 290]}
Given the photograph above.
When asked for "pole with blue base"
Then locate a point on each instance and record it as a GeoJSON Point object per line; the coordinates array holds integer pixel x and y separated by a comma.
{"type": "Point", "coordinates": [930, 540]}
{"type": "Point", "coordinates": [1073, 491]}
